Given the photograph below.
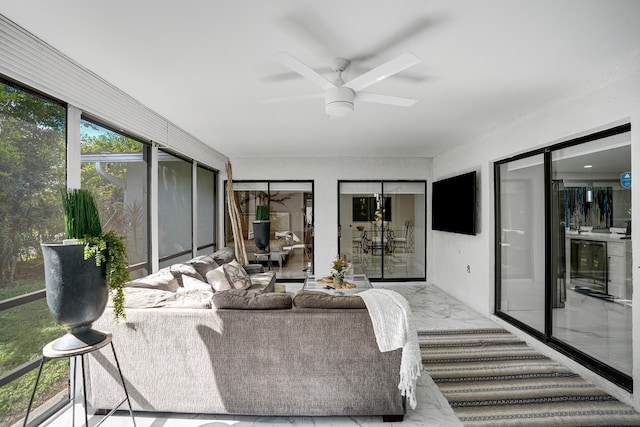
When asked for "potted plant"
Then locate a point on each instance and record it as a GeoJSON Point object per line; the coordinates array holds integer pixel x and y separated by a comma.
{"type": "Point", "coordinates": [262, 229]}
{"type": "Point", "coordinates": [82, 271]}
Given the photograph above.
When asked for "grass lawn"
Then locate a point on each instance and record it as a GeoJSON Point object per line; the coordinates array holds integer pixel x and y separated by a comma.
{"type": "Point", "coordinates": [24, 330]}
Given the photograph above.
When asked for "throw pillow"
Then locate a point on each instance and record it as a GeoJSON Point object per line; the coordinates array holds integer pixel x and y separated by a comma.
{"type": "Point", "coordinates": [204, 264]}
{"type": "Point", "coordinates": [218, 280]}
{"type": "Point", "coordinates": [162, 280]}
{"type": "Point", "coordinates": [190, 283]}
{"type": "Point", "coordinates": [241, 299]}
{"type": "Point", "coordinates": [184, 269]}
{"type": "Point", "coordinates": [315, 299]}
{"type": "Point", "coordinates": [236, 275]}
{"type": "Point", "coordinates": [224, 255]}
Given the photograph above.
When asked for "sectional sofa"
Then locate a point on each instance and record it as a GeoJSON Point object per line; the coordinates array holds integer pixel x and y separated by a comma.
{"type": "Point", "coordinates": [249, 352]}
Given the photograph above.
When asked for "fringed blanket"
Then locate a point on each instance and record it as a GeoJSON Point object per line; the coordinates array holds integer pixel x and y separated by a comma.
{"type": "Point", "coordinates": [394, 328]}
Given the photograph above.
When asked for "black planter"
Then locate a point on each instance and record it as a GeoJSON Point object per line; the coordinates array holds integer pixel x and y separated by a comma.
{"type": "Point", "coordinates": [261, 232]}
{"type": "Point", "coordinates": [76, 294]}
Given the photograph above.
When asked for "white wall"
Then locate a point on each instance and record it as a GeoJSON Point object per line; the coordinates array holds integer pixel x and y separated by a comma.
{"type": "Point", "coordinates": [606, 100]}
{"type": "Point", "coordinates": [325, 172]}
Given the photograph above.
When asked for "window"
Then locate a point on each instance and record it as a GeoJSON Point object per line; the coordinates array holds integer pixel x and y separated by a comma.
{"type": "Point", "coordinates": [114, 168]}
{"type": "Point", "coordinates": [174, 209]}
{"type": "Point", "coordinates": [206, 207]}
{"type": "Point", "coordinates": [32, 172]}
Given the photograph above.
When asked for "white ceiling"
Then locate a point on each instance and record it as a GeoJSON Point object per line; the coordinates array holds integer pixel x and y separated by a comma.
{"type": "Point", "coordinates": [206, 65]}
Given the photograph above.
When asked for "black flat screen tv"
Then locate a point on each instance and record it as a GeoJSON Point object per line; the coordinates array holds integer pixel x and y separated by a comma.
{"type": "Point", "coordinates": [453, 204]}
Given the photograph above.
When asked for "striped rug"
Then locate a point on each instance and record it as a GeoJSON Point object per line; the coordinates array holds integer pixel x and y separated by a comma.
{"type": "Point", "coordinates": [492, 378]}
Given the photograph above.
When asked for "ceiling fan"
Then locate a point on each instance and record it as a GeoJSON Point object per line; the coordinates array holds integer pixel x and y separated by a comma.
{"type": "Point", "coordinates": [339, 96]}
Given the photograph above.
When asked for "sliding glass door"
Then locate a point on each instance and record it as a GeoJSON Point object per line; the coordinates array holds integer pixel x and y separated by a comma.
{"type": "Point", "coordinates": [382, 228]}
{"type": "Point", "coordinates": [596, 318]}
{"type": "Point", "coordinates": [521, 243]}
{"type": "Point", "coordinates": [563, 247]}
{"type": "Point", "coordinates": [290, 207]}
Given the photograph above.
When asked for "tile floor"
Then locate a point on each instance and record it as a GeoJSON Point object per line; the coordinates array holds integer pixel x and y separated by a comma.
{"type": "Point", "coordinates": [432, 309]}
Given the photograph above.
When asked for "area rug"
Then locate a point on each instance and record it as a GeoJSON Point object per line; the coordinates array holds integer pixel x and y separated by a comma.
{"type": "Point", "coordinates": [492, 378]}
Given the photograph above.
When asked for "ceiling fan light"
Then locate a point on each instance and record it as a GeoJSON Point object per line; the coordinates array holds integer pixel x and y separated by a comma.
{"type": "Point", "coordinates": [339, 108]}
{"type": "Point", "coordinates": [339, 101]}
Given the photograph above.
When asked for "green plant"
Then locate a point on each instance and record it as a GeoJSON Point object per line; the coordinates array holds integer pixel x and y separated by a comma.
{"type": "Point", "coordinates": [82, 221]}
{"type": "Point", "coordinates": [262, 213]}
{"type": "Point", "coordinates": [81, 216]}
{"type": "Point", "coordinates": [112, 250]}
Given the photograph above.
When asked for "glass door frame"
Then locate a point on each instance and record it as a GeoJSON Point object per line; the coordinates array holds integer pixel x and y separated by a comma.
{"type": "Point", "coordinates": [623, 380]}
{"type": "Point", "coordinates": [307, 196]}
{"type": "Point", "coordinates": [382, 194]}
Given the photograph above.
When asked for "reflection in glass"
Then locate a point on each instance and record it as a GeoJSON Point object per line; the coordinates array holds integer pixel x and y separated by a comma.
{"type": "Point", "coordinates": [591, 228]}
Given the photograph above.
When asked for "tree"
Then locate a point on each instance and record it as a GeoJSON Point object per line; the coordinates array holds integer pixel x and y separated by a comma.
{"type": "Point", "coordinates": [32, 170]}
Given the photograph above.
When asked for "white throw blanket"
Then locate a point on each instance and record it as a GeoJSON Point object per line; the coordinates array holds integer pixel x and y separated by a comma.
{"type": "Point", "coordinates": [394, 328]}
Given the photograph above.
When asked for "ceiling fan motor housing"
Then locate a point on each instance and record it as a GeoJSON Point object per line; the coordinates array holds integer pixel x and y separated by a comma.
{"type": "Point", "coordinates": [339, 101]}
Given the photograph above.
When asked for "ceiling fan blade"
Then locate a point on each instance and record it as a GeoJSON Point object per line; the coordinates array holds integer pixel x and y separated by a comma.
{"type": "Point", "coordinates": [385, 99]}
{"type": "Point", "coordinates": [299, 67]}
{"type": "Point", "coordinates": [311, 29]}
{"type": "Point", "coordinates": [406, 76]}
{"type": "Point", "coordinates": [405, 32]}
{"type": "Point", "coordinates": [385, 70]}
{"type": "Point", "coordinates": [291, 75]}
{"type": "Point", "coordinates": [291, 98]}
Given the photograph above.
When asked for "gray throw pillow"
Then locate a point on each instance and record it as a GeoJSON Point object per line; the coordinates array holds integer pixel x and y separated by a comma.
{"type": "Point", "coordinates": [218, 280]}
{"type": "Point", "coordinates": [236, 275]}
{"type": "Point", "coordinates": [315, 299]}
{"type": "Point", "coordinates": [204, 264]}
{"type": "Point", "coordinates": [224, 255]}
{"type": "Point", "coordinates": [241, 299]}
{"type": "Point", "coordinates": [184, 269]}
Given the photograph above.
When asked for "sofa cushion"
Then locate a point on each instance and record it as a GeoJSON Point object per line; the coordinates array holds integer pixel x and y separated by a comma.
{"type": "Point", "coordinates": [218, 280]}
{"type": "Point", "coordinates": [204, 264]}
{"type": "Point", "coordinates": [224, 255]}
{"type": "Point", "coordinates": [191, 298]}
{"type": "Point", "coordinates": [315, 299]}
{"type": "Point", "coordinates": [191, 283]}
{"type": "Point", "coordinates": [184, 269]}
{"type": "Point", "coordinates": [241, 299]}
{"type": "Point", "coordinates": [262, 280]}
{"type": "Point", "coordinates": [253, 268]}
{"type": "Point", "coordinates": [145, 297]}
{"type": "Point", "coordinates": [163, 280]}
{"type": "Point", "coordinates": [236, 275]}
{"type": "Point", "coordinates": [156, 298]}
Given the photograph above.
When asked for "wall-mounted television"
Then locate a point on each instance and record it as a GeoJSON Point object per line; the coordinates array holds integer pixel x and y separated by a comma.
{"type": "Point", "coordinates": [453, 204]}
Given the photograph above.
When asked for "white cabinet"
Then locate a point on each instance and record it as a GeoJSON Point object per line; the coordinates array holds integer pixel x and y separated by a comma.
{"type": "Point", "coordinates": [616, 252]}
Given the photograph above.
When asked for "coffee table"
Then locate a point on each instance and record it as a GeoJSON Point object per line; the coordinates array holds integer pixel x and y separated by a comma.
{"type": "Point", "coordinates": [360, 280]}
